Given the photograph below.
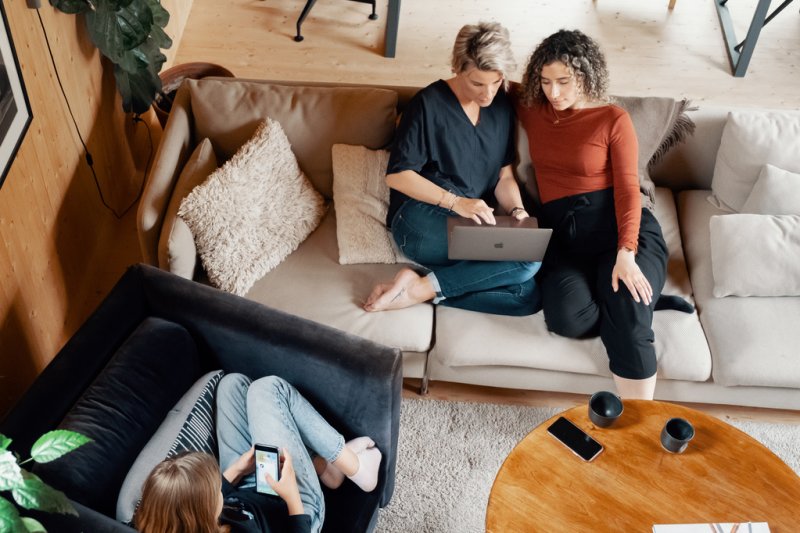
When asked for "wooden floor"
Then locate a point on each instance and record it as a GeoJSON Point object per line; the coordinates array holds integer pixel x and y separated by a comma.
{"type": "Point", "coordinates": [651, 51]}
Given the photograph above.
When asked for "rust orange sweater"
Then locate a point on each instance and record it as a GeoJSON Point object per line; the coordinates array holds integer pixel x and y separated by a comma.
{"type": "Point", "coordinates": [583, 151]}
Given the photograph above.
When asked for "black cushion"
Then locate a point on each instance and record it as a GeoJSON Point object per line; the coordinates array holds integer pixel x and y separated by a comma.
{"type": "Point", "coordinates": [121, 409]}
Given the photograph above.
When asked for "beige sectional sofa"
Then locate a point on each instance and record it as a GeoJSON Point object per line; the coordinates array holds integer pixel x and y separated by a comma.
{"type": "Point", "coordinates": [732, 350]}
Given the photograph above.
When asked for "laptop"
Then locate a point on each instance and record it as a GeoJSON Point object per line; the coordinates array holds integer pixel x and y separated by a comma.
{"type": "Point", "coordinates": [509, 240]}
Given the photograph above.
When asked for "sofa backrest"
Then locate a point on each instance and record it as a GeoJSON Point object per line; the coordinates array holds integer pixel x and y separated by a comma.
{"type": "Point", "coordinates": [690, 165]}
{"type": "Point", "coordinates": [228, 111]}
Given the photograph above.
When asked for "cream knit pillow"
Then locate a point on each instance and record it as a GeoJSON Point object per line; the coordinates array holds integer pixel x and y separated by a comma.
{"type": "Point", "coordinates": [361, 198]}
{"type": "Point", "coordinates": [253, 212]}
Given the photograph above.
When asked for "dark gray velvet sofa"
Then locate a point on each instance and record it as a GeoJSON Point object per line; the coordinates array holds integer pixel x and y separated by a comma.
{"type": "Point", "coordinates": [149, 340]}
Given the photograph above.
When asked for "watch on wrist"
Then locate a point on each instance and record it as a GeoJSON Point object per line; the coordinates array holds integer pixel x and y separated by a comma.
{"type": "Point", "coordinates": [514, 210]}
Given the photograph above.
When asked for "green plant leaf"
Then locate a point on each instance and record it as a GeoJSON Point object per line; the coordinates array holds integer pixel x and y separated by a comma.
{"type": "Point", "coordinates": [33, 526]}
{"type": "Point", "coordinates": [160, 15]}
{"type": "Point", "coordinates": [71, 7]}
{"type": "Point", "coordinates": [10, 472]}
{"type": "Point", "coordinates": [115, 31]}
{"type": "Point", "coordinates": [54, 444]}
{"type": "Point", "coordinates": [10, 521]}
{"type": "Point", "coordinates": [5, 442]}
{"type": "Point", "coordinates": [36, 494]}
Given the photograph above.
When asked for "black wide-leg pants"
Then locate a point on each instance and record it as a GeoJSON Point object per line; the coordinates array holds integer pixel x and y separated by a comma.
{"type": "Point", "coordinates": [576, 280]}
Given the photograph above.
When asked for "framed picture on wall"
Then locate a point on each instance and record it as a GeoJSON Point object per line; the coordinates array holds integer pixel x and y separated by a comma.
{"type": "Point", "coordinates": [15, 109]}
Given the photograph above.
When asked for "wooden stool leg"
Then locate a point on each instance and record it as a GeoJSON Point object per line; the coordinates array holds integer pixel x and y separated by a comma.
{"type": "Point", "coordinates": [671, 4]}
{"type": "Point", "coordinates": [303, 16]}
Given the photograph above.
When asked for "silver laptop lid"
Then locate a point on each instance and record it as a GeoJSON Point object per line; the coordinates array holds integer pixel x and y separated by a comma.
{"type": "Point", "coordinates": [509, 240]}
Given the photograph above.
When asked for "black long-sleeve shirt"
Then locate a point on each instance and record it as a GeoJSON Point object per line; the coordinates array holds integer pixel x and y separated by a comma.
{"type": "Point", "coordinates": [247, 511]}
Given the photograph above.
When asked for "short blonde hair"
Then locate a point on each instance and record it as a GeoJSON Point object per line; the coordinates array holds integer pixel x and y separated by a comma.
{"type": "Point", "coordinates": [181, 495]}
{"type": "Point", "coordinates": [485, 46]}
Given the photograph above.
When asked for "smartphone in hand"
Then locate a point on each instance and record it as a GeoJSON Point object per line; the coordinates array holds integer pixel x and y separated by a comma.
{"type": "Point", "coordinates": [575, 439]}
{"type": "Point", "coordinates": [267, 462]}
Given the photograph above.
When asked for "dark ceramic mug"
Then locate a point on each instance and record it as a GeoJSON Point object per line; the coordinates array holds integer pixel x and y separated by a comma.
{"type": "Point", "coordinates": [604, 408]}
{"type": "Point", "coordinates": [676, 435]}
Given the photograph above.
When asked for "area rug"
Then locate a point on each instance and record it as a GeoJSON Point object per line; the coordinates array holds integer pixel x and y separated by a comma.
{"type": "Point", "coordinates": [449, 454]}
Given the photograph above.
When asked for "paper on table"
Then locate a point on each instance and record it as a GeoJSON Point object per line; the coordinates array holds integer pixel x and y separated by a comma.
{"type": "Point", "coordinates": [731, 527]}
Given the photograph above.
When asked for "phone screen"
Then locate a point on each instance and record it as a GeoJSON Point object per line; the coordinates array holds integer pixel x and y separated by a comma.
{"type": "Point", "coordinates": [575, 439]}
{"type": "Point", "coordinates": [267, 461]}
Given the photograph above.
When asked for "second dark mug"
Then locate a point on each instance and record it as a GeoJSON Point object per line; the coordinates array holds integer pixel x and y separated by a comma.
{"type": "Point", "coordinates": [676, 435]}
{"type": "Point", "coordinates": [604, 408]}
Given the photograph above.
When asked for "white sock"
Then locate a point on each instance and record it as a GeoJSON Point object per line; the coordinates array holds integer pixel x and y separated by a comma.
{"type": "Point", "coordinates": [369, 460]}
{"type": "Point", "coordinates": [332, 477]}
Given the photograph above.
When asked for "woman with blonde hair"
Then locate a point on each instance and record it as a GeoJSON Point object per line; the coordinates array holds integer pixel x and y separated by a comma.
{"type": "Point", "coordinates": [452, 151]}
{"type": "Point", "coordinates": [187, 494]}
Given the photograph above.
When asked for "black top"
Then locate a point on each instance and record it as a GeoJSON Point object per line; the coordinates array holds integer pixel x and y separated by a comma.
{"type": "Point", "coordinates": [436, 139]}
{"type": "Point", "coordinates": [247, 511]}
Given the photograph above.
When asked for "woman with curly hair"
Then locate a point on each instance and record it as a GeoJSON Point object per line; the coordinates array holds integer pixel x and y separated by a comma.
{"type": "Point", "coordinates": [453, 148]}
{"type": "Point", "coordinates": [606, 264]}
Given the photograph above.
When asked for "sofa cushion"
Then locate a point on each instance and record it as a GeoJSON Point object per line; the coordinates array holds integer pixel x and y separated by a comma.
{"type": "Point", "coordinates": [755, 255]}
{"type": "Point", "coordinates": [361, 197]}
{"type": "Point", "coordinates": [314, 119]}
{"type": "Point", "coordinates": [660, 124]}
{"type": "Point", "coordinates": [750, 140]}
{"type": "Point", "coordinates": [752, 340]}
{"type": "Point", "coordinates": [121, 409]}
{"type": "Point", "coordinates": [461, 338]}
{"type": "Point", "coordinates": [776, 192]}
{"type": "Point", "coordinates": [312, 284]}
{"type": "Point", "coordinates": [177, 252]}
{"type": "Point", "coordinates": [253, 212]}
{"type": "Point", "coordinates": [188, 427]}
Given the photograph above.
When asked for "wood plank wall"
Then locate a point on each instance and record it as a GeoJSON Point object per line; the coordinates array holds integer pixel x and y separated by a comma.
{"type": "Point", "coordinates": [61, 250]}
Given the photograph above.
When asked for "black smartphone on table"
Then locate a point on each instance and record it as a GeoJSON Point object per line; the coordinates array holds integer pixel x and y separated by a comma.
{"type": "Point", "coordinates": [575, 439]}
{"type": "Point", "coordinates": [268, 460]}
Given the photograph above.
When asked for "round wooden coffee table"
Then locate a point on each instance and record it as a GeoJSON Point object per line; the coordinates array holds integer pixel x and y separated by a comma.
{"type": "Point", "coordinates": [723, 476]}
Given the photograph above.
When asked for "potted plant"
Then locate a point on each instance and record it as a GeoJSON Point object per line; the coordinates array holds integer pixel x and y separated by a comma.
{"type": "Point", "coordinates": [27, 490]}
{"type": "Point", "coordinates": [172, 78]}
{"type": "Point", "coordinates": [130, 33]}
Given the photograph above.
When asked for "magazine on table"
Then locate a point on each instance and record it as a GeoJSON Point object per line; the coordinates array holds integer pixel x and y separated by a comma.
{"type": "Point", "coordinates": [720, 527]}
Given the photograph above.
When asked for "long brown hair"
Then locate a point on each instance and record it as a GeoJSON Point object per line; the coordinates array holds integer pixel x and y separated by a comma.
{"type": "Point", "coordinates": [181, 495]}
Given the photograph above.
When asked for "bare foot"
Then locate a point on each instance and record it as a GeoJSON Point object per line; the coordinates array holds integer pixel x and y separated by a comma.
{"type": "Point", "coordinates": [407, 288]}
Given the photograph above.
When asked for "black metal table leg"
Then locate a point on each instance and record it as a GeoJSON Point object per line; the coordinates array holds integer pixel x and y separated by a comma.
{"type": "Point", "coordinates": [739, 54]}
{"type": "Point", "coordinates": [392, 23]}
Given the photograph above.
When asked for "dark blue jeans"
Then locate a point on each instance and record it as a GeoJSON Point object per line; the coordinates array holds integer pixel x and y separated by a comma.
{"type": "Point", "coordinates": [497, 287]}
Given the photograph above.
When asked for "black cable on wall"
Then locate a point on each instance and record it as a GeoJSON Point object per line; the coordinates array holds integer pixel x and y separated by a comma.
{"type": "Point", "coordinates": [87, 154]}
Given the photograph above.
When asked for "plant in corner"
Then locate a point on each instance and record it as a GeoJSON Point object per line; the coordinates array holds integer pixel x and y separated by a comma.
{"type": "Point", "coordinates": [130, 33]}
{"type": "Point", "coordinates": [27, 490]}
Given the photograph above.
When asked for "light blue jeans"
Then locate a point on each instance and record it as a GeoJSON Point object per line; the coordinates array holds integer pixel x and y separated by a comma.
{"type": "Point", "coordinates": [270, 411]}
{"type": "Point", "coordinates": [497, 287]}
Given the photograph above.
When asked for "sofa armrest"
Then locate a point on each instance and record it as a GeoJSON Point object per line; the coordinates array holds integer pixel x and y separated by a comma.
{"type": "Point", "coordinates": [353, 382]}
{"type": "Point", "coordinates": [176, 146]}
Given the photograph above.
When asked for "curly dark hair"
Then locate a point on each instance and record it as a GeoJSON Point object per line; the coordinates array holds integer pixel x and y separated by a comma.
{"type": "Point", "coordinates": [580, 53]}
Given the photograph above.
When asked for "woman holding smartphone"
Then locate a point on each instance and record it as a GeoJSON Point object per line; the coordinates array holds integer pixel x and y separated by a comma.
{"type": "Point", "coordinates": [186, 492]}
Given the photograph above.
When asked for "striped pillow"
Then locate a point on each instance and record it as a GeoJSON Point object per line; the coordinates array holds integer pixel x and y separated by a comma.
{"type": "Point", "coordinates": [189, 426]}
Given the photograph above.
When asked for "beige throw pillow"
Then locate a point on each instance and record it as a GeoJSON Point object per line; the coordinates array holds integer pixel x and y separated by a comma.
{"type": "Point", "coordinates": [361, 198]}
{"type": "Point", "coordinates": [253, 212]}
{"type": "Point", "coordinates": [176, 249]}
{"type": "Point", "coordinates": [755, 255]}
{"type": "Point", "coordinates": [751, 139]}
{"type": "Point", "coordinates": [776, 192]}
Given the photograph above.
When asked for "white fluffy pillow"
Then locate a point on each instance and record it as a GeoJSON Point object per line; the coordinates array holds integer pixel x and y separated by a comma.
{"type": "Point", "coordinates": [361, 198]}
{"type": "Point", "coordinates": [750, 140]}
{"type": "Point", "coordinates": [776, 192]}
{"type": "Point", "coordinates": [755, 255]}
{"type": "Point", "coordinates": [253, 212]}
{"type": "Point", "coordinates": [177, 252]}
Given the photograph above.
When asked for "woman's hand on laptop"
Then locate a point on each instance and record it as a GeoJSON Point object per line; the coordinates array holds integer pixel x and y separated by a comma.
{"type": "Point", "coordinates": [475, 209]}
